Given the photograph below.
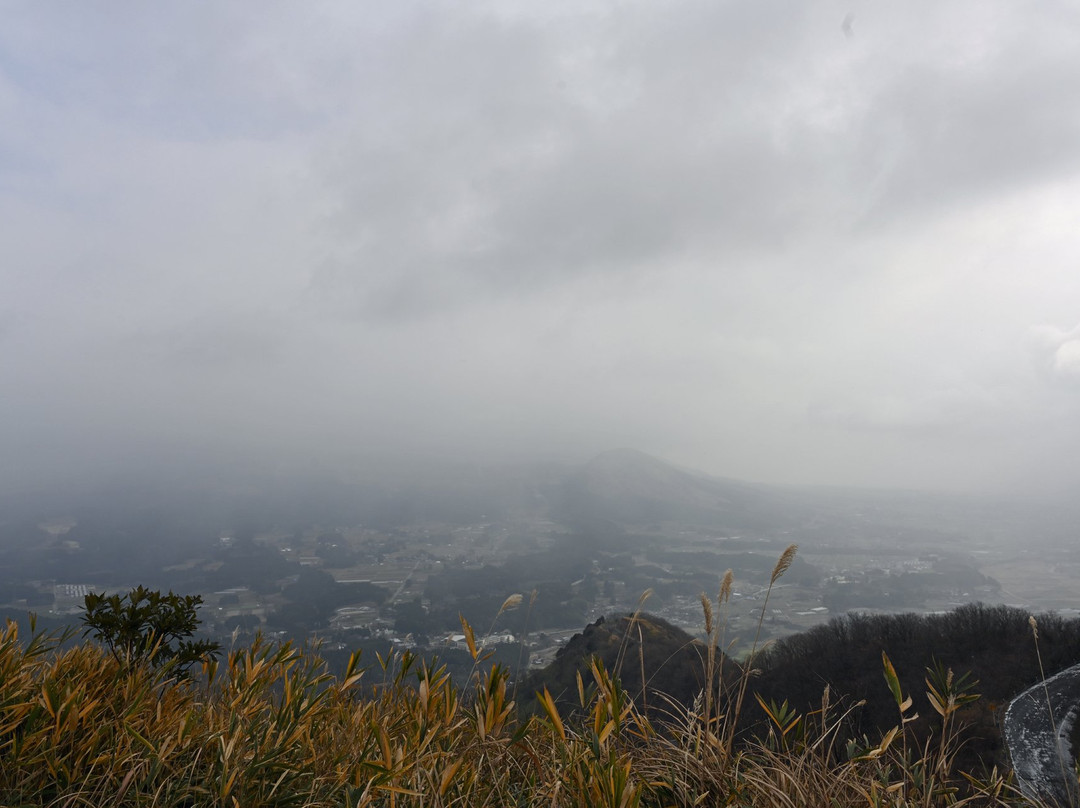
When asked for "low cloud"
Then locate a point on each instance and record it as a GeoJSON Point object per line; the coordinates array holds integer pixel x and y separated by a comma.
{"type": "Point", "coordinates": [728, 233]}
{"type": "Point", "coordinates": [1057, 353]}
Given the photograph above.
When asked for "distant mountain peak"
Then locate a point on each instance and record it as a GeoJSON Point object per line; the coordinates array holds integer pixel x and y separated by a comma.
{"type": "Point", "coordinates": [628, 486]}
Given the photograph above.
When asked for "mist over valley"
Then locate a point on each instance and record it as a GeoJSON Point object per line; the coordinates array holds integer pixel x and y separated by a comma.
{"type": "Point", "coordinates": [401, 560]}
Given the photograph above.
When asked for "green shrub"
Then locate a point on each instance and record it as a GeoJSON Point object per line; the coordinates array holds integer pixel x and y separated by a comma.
{"type": "Point", "coordinates": [146, 626]}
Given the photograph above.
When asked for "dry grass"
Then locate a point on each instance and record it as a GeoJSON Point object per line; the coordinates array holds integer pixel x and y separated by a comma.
{"type": "Point", "coordinates": [269, 727]}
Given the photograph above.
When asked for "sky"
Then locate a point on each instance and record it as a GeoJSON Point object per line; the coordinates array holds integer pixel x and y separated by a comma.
{"type": "Point", "coordinates": [822, 242]}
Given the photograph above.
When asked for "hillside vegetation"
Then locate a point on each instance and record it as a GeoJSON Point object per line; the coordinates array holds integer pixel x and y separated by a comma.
{"type": "Point", "coordinates": [659, 665]}
{"type": "Point", "coordinates": [993, 646]}
{"type": "Point", "coordinates": [270, 727]}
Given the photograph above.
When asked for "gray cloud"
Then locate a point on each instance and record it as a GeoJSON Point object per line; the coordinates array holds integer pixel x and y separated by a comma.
{"type": "Point", "coordinates": [235, 341]}
{"type": "Point", "coordinates": [746, 131]}
{"type": "Point", "coordinates": [727, 233]}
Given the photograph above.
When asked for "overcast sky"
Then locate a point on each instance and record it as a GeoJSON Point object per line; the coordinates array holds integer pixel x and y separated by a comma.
{"type": "Point", "coordinates": [818, 242]}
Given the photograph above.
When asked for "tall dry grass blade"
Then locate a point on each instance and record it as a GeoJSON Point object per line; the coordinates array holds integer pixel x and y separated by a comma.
{"type": "Point", "coordinates": [723, 600]}
{"type": "Point", "coordinates": [1046, 690]}
{"type": "Point", "coordinates": [710, 656]}
{"type": "Point", "coordinates": [781, 567]}
{"type": "Point", "coordinates": [706, 608]}
{"type": "Point", "coordinates": [511, 602]}
{"type": "Point", "coordinates": [641, 666]}
{"type": "Point", "coordinates": [725, 586]}
{"type": "Point", "coordinates": [783, 562]}
{"type": "Point", "coordinates": [629, 627]}
{"type": "Point", "coordinates": [523, 645]}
